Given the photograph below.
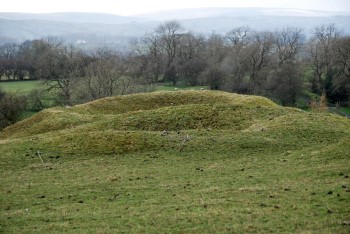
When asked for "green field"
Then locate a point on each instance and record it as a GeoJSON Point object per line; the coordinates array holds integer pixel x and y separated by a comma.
{"type": "Point", "coordinates": [176, 162]}
{"type": "Point", "coordinates": [24, 87]}
{"type": "Point", "coordinates": [20, 87]}
{"type": "Point", "coordinates": [178, 87]}
{"type": "Point", "coordinates": [345, 110]}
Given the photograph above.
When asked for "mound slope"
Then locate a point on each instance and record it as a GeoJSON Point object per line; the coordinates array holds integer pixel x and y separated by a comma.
{"type": "Point", "coordinates": [152, 111]}
{"type": "Point", "coordinates": [166, 120]}
{"type": "Point", "coordinates": [202, 161]}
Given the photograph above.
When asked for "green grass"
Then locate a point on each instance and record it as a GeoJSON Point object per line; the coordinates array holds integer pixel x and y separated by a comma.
{"type": "Point", "coordinates": [24, 87]}
{"type": "Point", "coordinates": [178, 87]}
{"type": "Point", "coordinates": [345, 110]}
{"type": "Point", "coordinates": [176, 162]}
{"type": "Point", "coordinates": [20, 87]}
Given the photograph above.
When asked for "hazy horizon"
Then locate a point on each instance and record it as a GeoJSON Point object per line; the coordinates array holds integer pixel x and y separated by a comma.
{"type": "Point", "coordinates": [137, 7]}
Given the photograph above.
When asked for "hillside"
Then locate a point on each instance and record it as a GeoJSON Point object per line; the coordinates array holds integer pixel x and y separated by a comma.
{"type": "Point", "coordinates": [183, 161]}
{"type": "Point", "coordinates": [97, 28]}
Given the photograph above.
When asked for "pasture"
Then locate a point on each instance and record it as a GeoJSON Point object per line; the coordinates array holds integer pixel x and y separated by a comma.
{"type": "Point", "coordinates": [20, 87]}
{"type": "Point", "coordinates": [176, 162]}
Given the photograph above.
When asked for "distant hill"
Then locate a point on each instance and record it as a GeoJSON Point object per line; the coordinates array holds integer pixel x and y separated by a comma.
{"type": "Point", "coordinates": [71, 17]}
{"type": "Point", "coordinates": [99, 29]}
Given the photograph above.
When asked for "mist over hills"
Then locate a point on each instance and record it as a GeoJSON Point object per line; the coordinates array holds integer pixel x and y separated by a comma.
{"type": "Point", "coordinates": [98, 29]}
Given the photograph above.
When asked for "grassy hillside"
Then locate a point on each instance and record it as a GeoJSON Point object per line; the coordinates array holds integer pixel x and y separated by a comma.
{"type": "Point", "coordinates": [185, 161]}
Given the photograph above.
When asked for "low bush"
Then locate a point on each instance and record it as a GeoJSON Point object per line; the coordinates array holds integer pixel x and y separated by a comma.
{"type": "Point", "coordinates": [11, 108]}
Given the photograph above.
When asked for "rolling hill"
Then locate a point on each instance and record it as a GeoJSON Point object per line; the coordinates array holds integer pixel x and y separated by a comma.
{"type": "Point", "coordinates": [94, 28]}
{"type": "Point", "coordinates": [183, 161]}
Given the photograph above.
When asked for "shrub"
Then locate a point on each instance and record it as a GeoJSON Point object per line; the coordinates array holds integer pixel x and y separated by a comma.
{"type": "Point", "coordinates": [11, 108]}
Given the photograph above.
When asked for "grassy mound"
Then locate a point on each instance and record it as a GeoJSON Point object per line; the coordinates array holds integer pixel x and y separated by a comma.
{"type": "Point", "coordinates": [174, 120]}
{"type": "Point", "coordinates": [149, 101]}
{"type": "Point", "coordinates": [152, 111]}
{"type": "Point", "coordinates": [187, 161]}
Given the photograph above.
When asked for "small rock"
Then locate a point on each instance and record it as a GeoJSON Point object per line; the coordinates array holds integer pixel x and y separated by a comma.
{"type": "Point", "coordinates": [346, 222]}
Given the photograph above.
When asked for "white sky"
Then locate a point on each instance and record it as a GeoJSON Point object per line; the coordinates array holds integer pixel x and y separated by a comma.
{"type": "Point", "coordinates": [130, 7]}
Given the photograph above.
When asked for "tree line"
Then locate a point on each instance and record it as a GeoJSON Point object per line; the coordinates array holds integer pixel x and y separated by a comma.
{"type": "Point", "coordinates": [277, 64]}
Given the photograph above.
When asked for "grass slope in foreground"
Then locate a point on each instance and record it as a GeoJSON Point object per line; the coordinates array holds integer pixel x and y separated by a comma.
{"type": "Point", "coordinates": [188, 161]}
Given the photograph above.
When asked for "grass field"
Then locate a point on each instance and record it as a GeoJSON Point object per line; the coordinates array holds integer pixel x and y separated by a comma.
{"type": "Point", "coordinates": [345, 110]}
{"type": "Point", "coordinates": [176, 162]}
{"type": "Point", "coordinates": [20, 87]}
{"type": "Point", "coordinates": [24, 87]}
{"type": "Point", "coordinates": [178, 87]}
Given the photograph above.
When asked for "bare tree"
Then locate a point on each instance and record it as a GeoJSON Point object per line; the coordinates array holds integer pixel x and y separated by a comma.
{"type": "Point", "coordinates": [289, 41]}
{"type": "Point", "coordinates": [238, 36]}
{"type": "Point", "coordinates": [259, 57]}
{"type": "Point", "coordinates": [170, 34]}
{"type": "Point", "coordinates": [102, 74]}
{"type": "Point", "coordinates": [151, 56]}
{"type": "Point", "coordinates": [60, 67]}
{"type": "Point", "coordinates": [322, 52]}
{"type": "Point", "coordinates": [285, 82]}
{"type": "Point", "coordinates": [189, 62]}
{"type": "Point", "coordinates": [338, 88]}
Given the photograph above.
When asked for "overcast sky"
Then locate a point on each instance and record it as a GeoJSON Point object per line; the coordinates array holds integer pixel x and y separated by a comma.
{"type": "Point", "coordinates": [131, 7]}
